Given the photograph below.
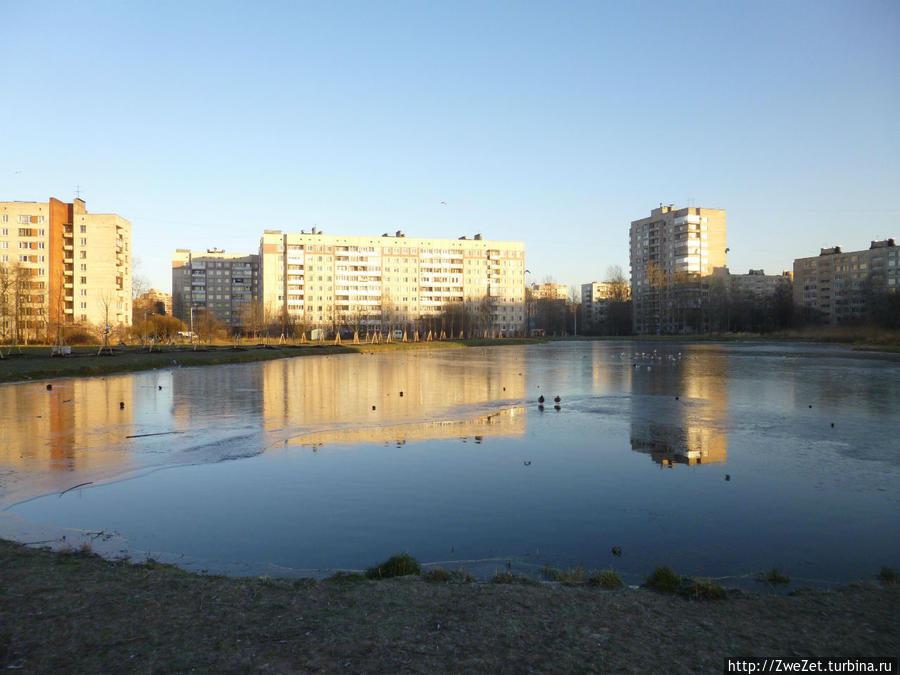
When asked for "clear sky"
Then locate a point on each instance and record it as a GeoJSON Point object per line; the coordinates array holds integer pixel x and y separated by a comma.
{"type": "Point", "coordinates": [556, 123]}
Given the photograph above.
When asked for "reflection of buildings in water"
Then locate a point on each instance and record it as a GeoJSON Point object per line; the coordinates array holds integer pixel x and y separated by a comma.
{"type": "Point", "coordinates": [76, 425]}
{"type": "Point", "coordinates": [226, 391]}
{"type": "Point", "coordinates": [507, 422]}
{"type": "Point", "coordinates": [362, 392]}
{"type": "Point", "coordinates": [690, 429]}
{"type": "Point", "coordinates": [669, 445]}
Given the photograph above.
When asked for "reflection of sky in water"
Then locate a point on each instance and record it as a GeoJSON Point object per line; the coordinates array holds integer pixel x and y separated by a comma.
{"type": "Point", "coordinates": [636, 457]}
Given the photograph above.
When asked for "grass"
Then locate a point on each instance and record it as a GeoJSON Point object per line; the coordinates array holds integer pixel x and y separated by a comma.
{"type": "Point", "coordinates": [889, 576]}
{"type": "Point", "coordinates": [440, 575]}
{"type": "Point", "coordinates": [608, 579]}
{"type": "Point", "coordinates": [773, 576]}
{"type": "Point", "coordinates": [510, 578]}
{"type": "Point", "coordinates": [35, 363]}
{"type": "Point", "coordinates": [400, 565]}
{"type": "Point", "coordinates": [81, 613]}
{"type": "Point", "coordinates": [665, 580]}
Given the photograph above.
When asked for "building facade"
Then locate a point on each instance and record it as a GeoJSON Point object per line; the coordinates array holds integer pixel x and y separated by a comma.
{"type": "Point", "coordinates": [838, 285]}
{"type": "Point", "coordinates": [224, 284]}
{"type": "Point", "coordinates": [755, 283]}
{"type": "Point", "coordinates": [156, 301]}
{"type": "Point", "coordinates": [671, 253]}
{"type": "Point", "coordinates": [596, 298]}
{"type": "Point", "coordinates": [392, 281]}
{"type": "Point", "coordinates": [62, 266]}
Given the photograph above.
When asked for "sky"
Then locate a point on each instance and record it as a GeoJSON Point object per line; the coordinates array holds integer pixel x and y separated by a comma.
{"type": "Point", "coordinates": [552, 123]}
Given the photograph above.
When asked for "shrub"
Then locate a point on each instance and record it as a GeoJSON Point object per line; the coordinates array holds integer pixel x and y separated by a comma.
{"type": "Point", "coordinates": [437, 574]}
{"type": "Point", "coordinates": [889, 576]}
{"type": "Point", "coordinates": [702, 589]}
{"type": "Point", "coordinates": [396, 566]}
{"type": "Point", "coordinates": [608, 579]}
{"type": "Point", "coordinates": [663, 579]}
{"type": "Point", "coordinates": [510, 578]}
{"type": "Point", "coordinates": [773, 576]}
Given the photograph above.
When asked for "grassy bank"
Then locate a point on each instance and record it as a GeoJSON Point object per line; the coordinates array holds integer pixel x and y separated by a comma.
{"type": "Point", "coordinates": [78, 613]}
{"type": "Point", "coordinates": [35, 363]}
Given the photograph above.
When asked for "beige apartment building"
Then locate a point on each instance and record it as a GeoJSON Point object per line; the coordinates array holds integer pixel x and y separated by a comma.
{"type": "Point", "coordinates": [838, 284]}
{"type": "Point", "coordinates": [595, 300]}
{"type": "Point", "coordinates": [756, 282]}
{"type": "Point", "coordinates": [549, 291]}
{"type": "Point", "coordinates": [62, 266]}
{"type": "Point", "coordinates": [672, 251]}
{"type": "Point", "coordinates": [225, 284]}
{"type": "Point", "coordinates": [392, 281]}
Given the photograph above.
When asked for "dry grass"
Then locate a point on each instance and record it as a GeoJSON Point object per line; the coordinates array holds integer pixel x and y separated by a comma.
{"type": "Point", "coordinates": [78, 613]}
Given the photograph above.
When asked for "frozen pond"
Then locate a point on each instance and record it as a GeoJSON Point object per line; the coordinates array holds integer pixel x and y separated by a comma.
{"type": "Point", "coordinates": [720, 460]}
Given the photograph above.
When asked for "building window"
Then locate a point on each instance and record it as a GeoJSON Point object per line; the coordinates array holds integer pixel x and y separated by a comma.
{"type": "Point", "coordinates": [83, 255]}
{"type": "Point", "coordinates": [82, 241]}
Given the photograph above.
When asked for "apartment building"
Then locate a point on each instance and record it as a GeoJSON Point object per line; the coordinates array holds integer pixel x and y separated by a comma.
{"type": "Point", "coordinates": [755, 283]}
{"type": "Point", "coordinates": [550, 291]}
{"type": "Point", "coordinates": [672, 251]}
{"type": "Point", "coordinates": [838, 284]}
{"type": "Point", "coordinates": [595, 299]}
{"type": "Point", "coordinates": [159, 302]}
{"type": "Point", "coordinates": [62, 266]}
{"type": "Point", "coordinates": [392, 281]}
{"type": "Point", "coordinates": [225, 284]}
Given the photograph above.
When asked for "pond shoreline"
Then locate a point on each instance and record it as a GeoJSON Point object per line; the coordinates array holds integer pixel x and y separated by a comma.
{"type": "Point", "coordinates": [33, 363]}
{"type": "Point", "coordinates": [76, 611]}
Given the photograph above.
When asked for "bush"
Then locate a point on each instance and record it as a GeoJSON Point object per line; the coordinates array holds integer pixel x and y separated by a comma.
{"type": "Point", "coordinates": [773, 576]}
{"type": "Point", "coordinates": [395, 566]}
{"type": "Point", "coordinates": [608, 579]}
{"type": "Point", "coordinates": [889, 576]}
{"type": "Point", "coordinates": [663, 579]}
{"type": "Point", "coordinates": [702, 589]}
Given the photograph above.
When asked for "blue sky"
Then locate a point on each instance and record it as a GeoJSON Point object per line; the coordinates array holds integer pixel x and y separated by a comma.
{"type": "Point", "coordinates": [554, 123]}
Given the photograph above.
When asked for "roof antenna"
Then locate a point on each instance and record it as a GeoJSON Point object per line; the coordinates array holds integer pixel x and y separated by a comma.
{"type": "Point", "coordinates": [78, 192]}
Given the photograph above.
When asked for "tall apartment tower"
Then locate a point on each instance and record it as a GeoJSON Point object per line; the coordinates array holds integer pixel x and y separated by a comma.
{"type": "Point", "coordinates": [226, 284]}
{"type": "Point", "coordinates": [391, 280]}
{"type": "Point", "coordinates": [69, 267]}
{"type": "Point", "coordinates": [671, 252]}
{"type": "Point", "coordinates": [838, 284]}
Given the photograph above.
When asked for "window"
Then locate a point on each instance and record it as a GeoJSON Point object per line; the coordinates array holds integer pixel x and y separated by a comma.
{"type": "Point", "coordinates": [84, 267]}
{"type": "Point", "coordinates": [83, 292]}
{"type": "Point", "coordinates": [83, 305]}
{"type": "Point", "coordinates": [4, 244]}
{"type": "Point", "coordinates": [82, 280]}
{"type": "Point", "coordinates": [82, 254]}
{"type": "Point", "coordinates": [83, 229]}
{"type": "Point", "coordinates": [5, 219]}
{"type": "Point", "coordinates": [24, 219]}
{"type": "Point", "coordinates": [82, 241]}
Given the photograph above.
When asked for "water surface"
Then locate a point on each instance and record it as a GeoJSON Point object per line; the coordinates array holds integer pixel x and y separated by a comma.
{"type": "Point", "coordinates": [720, 460]}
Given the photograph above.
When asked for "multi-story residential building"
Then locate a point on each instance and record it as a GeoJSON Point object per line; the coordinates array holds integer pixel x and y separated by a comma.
{"type": "Point", "coordinates": [838, 284]}
{"type": "Point", "coordinates": [595, 300]}
{"type": "Point", "coordinates": [550, 291]}
{"type": "Point", "coordinates": [392, 281]}
{"type": "Point", "coordinates": [63, 266]}
{"type": "Point", "coordinates": [225, 284]}
{"type": "Point", "coordinates": [755, 282]}
{"type": "Point", "coordinates": [158, 302]}
{"type": "Point", "coordinates": [672, 250]}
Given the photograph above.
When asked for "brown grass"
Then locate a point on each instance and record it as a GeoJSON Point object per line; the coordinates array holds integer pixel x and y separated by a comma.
{"type": "Point", "coordinates": [79, 613]}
